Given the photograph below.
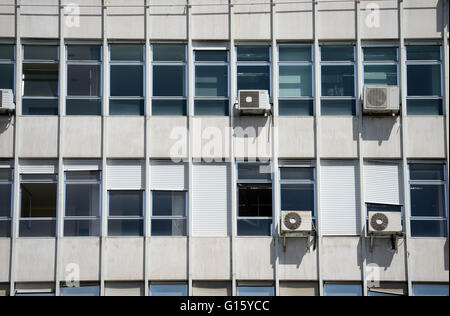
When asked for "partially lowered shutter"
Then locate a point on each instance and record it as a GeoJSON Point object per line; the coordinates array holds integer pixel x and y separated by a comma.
{"type": "Point", "coordinates": [125, 175]}
{"type": "Point", "coordinates": [382, 183]}
{"type": "Point", "coordinates": [38, 167]}
{"type": "Point", "coordinates": [168, 176]}
{"type": "Point", "coordinates": [82, 165]}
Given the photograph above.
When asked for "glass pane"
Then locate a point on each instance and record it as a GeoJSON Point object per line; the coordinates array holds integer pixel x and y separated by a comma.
{"type": "Point", "coordinates": [338, 53]}
{"type": "Point", "coordinates": [5, 200]}
{"type": "Point", "coordinates": [296, 107]}
{"type": "Point", "coordinates": [37, 177]}
{"type": "Point", "coordinates": [127, 81]}
{"type": "Point", "coordinates": [37, 228]}
{"type": "Point", "coordinates": [383, 208]}
{"type": "Point", "coordinates": [297, 197]}
{"type": "Point", "coordinates": [5, 175]}
{"type": "Point", "coordinates": [338, 107]}
{"type": "Point", "coordinates": [125, 227]}
{"type": "Point", "coordinates": [83, 80]}
{"type": "Point", "coordinates": [35, 294]}
{"type": "Point", "coordinates": [424, 80]}
{"type": "Point", "coordinates": [424, 52]}
{"type": "Point", "coordinates": [7, 52]}
{"type": "Point", "coordinates": [169, 227]}
{"type": "Point", "coordinates": [296, 81]}
{"type": "Point", "coordinates": [40, 80]}
{"type": "Point", "coordinates": [211, 81]}
{"type": "Point", "coordinates": [169, 53]}
{"type": "Point", "coordinates": [169, 81]}
{"type": "Point", "coordinates": [428, 200]}
{"type": "Point", "coordinates": [255, 201]}
{"type": "Point", "coordinates": [427, 172]}
{"type": "Point", "coordinates": [82, 228]}
{"type": "Point", "coordinates": [125, 203]}
{"type": "Point", "coordinates": [7, 77]}
{"type": "Point", "coordinates": [38, 200]}
{"type": "Point", "coordinates": [212, 107]}
{"type": "Point", "coordinates": [431, 290]}
{"type": "Point", "coordinates": [83, 176]}
{"type": "Point", "coordinates": [253, 53]}
{"type": "Point", "coordinates": [127, 52]}
{"type": "Point", "coordinates": [343, 290]}
{"type": "Point", "coordinates": [82, 200]}
{"type": "Point", "coordinates": [169, 108]}
{"type": "Point", "coordinates": [254, 227]}
{"type": "Point", "coordinates": [83, 107]}
{"type": "Point", "coordinates": [295, 53]}
{"type": "Point", "coordinates": [126, 107]}
{"type": "Point", "coordinates": [258, 291]}
{"type": "Point", "coordinates": [253, 78]}
{"type": "Point", "coordinates": [297, 174]}
{"type": "Point", "coordinates": [44, 52]}
{"type": "Point", "coordinates": [5, 228]}
{"type": "Point", "coordinates": [254, 171]}
{"type": "Point", "coordinates": [168, 290]}
{"type": "Point", "coordinates": [425, 107]}
{"type": "Point", "coordinates": [81, 291]}
{"type": "Point", "coordinates": [211, 55]}
{"type": "Point", "coordinates": [82, 52]}
{"type": "Point", "coordinates": [169, 203]}
{"type": "Point", "coordinates": [378, 294]}
{"type": "Point", "coordinates": [380, 54]}
{"type": "Point", "coordinates": [429, 229]}
{"type": "Point", "coordinates": [40, 107]}
{"type": "Point", "coordinates": [380, 75]}
{"type": "Point", "coordinates": [338, 81]}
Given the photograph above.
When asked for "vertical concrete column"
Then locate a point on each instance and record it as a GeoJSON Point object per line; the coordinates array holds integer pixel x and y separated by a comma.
{"type": "Point", "coordinates": [446, 84]}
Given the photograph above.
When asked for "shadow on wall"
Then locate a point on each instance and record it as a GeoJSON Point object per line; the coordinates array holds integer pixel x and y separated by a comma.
{"type": "Point", "coordinates": [380, 129]}
{"type": "Point", "coordinates": [446, 256]}
{"type": "Point", "coordinates": [5, 123]}
{"type": "Point", "coordinates": [442, 17]}
{"type": "Point", "coordinates": [296, 251]}
{"type": "Point", "coordinates": [382, 253]}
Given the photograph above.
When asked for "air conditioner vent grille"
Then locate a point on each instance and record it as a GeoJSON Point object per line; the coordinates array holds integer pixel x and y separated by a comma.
{"type": "Point", "coordinates": [377, 98]}
{"type": "Point", "coordinates": [380, 222]}
{"type": "Point", "coordinates": [293, 221]}
{"type": "Point", "coordinates": [249, 99]}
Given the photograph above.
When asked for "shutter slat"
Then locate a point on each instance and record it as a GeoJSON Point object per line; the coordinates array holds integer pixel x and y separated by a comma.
{"type": "Point", "coordinates": [382, 183]}
{"type": "Point", "coordinates": [82, 165]}
{"type": "Point", "coordinates": [126, 175]}
{"type": "Point", "coordinates": [38, 167]}
{"type": "Point", "coordinates": [168, 176]}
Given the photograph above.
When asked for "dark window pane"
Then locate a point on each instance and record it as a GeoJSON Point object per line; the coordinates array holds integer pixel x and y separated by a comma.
{"type": "Point", "coordinates": [338, 107]}
{"type": "Point", "coordinates": [168, 290]}
{"type": "Point", "coordinates": [38, 200]}
{"type": "Point", "coordinates": [83, 52]}
{"type": "Point", "coordinates": [127, 81]}
{"type": "Point", "coordinates": [211, 81]}
{"type": "Point", "coordinates": [212, 107]}
{"type": "Point", "coordinates": [338, 53]}
{"type": "Point", "coordinates": [297, 174]}
{"type": "Point", "coordinates": [254, 171]}
{"type": "Point", "coordinates": [126, 107]}
{"type": "Point", "coordinates": [83, 80]}
{"type": "Point", "coordinates": [7, 52]}
{"type": "Point", "coordinates": [125, 227]}
{"type": "Point", "coordinates": [254, 227]}
{"type": "Point", "coordinates": [125, 203]}
{"type": "Point", "coordinates": [5, 228]}
{"type": "Point", "coordinates": [40, 80]}
{"type": "Point", "coordinates": [37, 228]}
{"type": "Point", "coordinates": [211, 55]}
{"type": "Point", "coordinates": [255, 201]}
{"type": "Point", "coordinates": [380, 54]}
{"type": "Point", "coordinates": [169, 81]}
{"type": "Point", "coordinates": [40, 107]}
{"type": "Point", "coordinates": [338, 81]}
{"type": "Point", "coordinates": [37, 177]}
{"type": "Point", "coordinates": [82, 228]}
{"type": "Point", "coordinates": [427, 172]}
{"type": "Point", "coordinates": [296, 81]}
{"type": "Point", "coordinates": [424, 80]}
{"type": "Point", "coordinates": [83, 176]}
{"type": "Point", "coordinates": [296, 107]}
{"type": "Point", "coordinates": [7, 77]}
{"type": "Point", "coordinates": [295, 53]}
{"type": "Point", "coordinates": [127, 52]}
{"type": "Point", "coordinates": [44, 52]}
{"type": "Point", "coordinates": [424, 52]}
{"type": "Point", "coordinates": [162, 52]}
{"type": "Point", "coordinates": [82, 200]}
{"type": "Point", "coordinates": [428, 200]}
{"type": "Point", "coordinates": [83, 107]}
{"type": "Point", "coordinates": [380, 75]}
{"type": "Point", "coordinates": [297, 197]}
{"type": "Point", "coordinates": [5, 175]}
{"type": "Point", "coordinates": [169, 107]}
{"type": "Point", "coordinates": [253, 78]}
{"type": "Point", "coordinates": [5, 200]}
{"type": "Point", "coordinates": [169, 203]}
{"type": "Point", "coordinates": [429, 228]}
{"type": "Point", "coordinates": [81, 291]}
{"type": "Point", "coordinates": [425, 107]}
{"type": "Point", "coordinates": [169, 227]}
{"type": "Point", "coordinates": [383, 208]}
{"type": "Point", "coordinates": [253, 53]}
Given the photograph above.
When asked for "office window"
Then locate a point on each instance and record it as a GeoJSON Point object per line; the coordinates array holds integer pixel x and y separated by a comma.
{"type": "Point", "coordinates": [431, 290]}
{"type": "Point", "coordinates": [338, 80]}
{"type": "Point", "coordinates": [253, 68]}
{"type": "Point", "coordinates": [83, 290]}
{"type": "Point", "coordinates": [424, 80]}
{"type": "Point", "coordinates": [6, 189]}
{"type": "Point", "coordinates": [332, 289]}
{"type": "Point", "coordinates": [169, 213]}
{"type": "Point", "coordinates": [169, 80]}
{"type": "Point", "coordinates": [38, 205]}
{"type": "Point", "coordinates": [126, 80]}
{"type": "Point", "coordinates": [40, 80]}
{"type": "Point", "coordinates": [84, 73]}
{"type": "Point", "coordinates": [82, 206]}
{"type": "Point", "coordinates": [296, 80]}
{"type": "Point", "coordinates": [255, 207]}
{"type": "Point", "coordinates": [389, 289]}
{"type": "Point", "coordinates": [7, 67]}
{"type": "Point", "coordinates": [34, 289]}
{"type": "Point", "coordinates": [211, 83]}
{"type": "Point", "coordinates": [381, 66]}
{"type": "Point", "coordinates": [175, 290]}
{"type": "Point", "coordinates": [428, 187]}
{"type": "Point", "coordinates": [257, 291]}
{"type": "Point", "coordinates": [126, 213]}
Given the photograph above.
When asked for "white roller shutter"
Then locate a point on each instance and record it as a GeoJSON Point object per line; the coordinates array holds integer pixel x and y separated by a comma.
{"type": "Point", "coordinates": [82, 165]}
{"type": "Point", "coordinates": [340, 199]}
{"type": "Point", "coordinates": [6, 164]}
{"type": "Point", "coordinates": [38, 167]}
{"type": "Point", "coordinates": [125, 175]}
{"type": "Point", "coordinates": [168, 176]}
{"type": "Point", "coordinates": [211, 200]}
{"type": "Point", "coordinates": [382, 183]}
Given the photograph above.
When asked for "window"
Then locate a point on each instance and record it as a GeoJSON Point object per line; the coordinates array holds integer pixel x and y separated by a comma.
{"type": "Point", "coordinates": [253, 68]}
{"type": "Point", "coordinates": [40, 80]}
{"type": "Point", "coordinates": [34, 289]}
{"type": "Point", "coordinates": [169, 213]}
{"type": "Point", "coordinates": [333, 289]}
{"type": "Point", "coordinates": [211, 83]}
{"type": "Point", "coordinates": [428, 189]}
{"type": "Point", "coordinates": [84, 73]}
{"type": "Point", "coordinates": [6, 189]}
{"type": "Point", "coordinates": [338, 80]}
{"type": "Point", "coordinates": [296, 80]}
{"type": "Point", "coordinates": [177, 290]}
{"type": "Point", "coordinates": [38, 205]}
{"type": "Point", "coordinates": [389, 289]}
{"type": "Point", "coordinates": [430, 289]}
{"type": "Point", "coordinates": [255, 199]}
{"type": "Point", "coordinates": [257, 291]}
{"type": "Point", "coordinates": [126, 213]}
{"type": "Point", "coordinates": [381, 66]}
{"type": "Point", "coordinates": [83, 290]}
{"type": "Point", "coordinates": [424, 80]}
{"type": "Point", "coordinates": [82, 206]}
{"type": "Point", "coordinates": [169, 80]}
{"type": "Point", "coordinates": [7, 67]}
{"type": "Point", "coordinates": [126, 80]}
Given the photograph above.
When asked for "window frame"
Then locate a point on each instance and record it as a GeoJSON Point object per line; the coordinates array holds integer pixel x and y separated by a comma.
{"type": "Point", "coordinates": [136, 218]}
{"type": "Point", "coordinates": [9, 218]}
{"type": "Point", "coordinates": [381, 62]}
{"type": "Point", "coordinates": [12, 62]}
{"type": "Point", "coordinates": [172, 218]}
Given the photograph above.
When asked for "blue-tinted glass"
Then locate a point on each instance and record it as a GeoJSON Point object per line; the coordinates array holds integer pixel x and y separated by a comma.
{"type": "Point", "coordinates": [424, 80]}
{"type": "Point", "coordinates": [380, 75]}
{"type": "Point", "coordinates": [35, 294]}
{"type": "Point", "coordinates": [166, 203]}
{"type": "Point", "coordinates": [81, 291]}
{"type": "Point", "coordinates": [5, 200]}
{"type": "Point", "coordinates": [125, 227]}
{"type": "Point", "coordinates": [83, 176]}
{"type": "Point", "coordinates": [296, 107]}
{"type": "Point", "coordinates": [427, 172]}
{"type": "Point", "coordinates": [428, 200]}
{"type": "Point", "coordinates": [338, 107]}
{"type": "Point", "coordinates": [5, 228]}
{"type": "Point", "coordinates": [343, 290]}
{"type": "Point", "coordinates": [7, 52]}
{"type": "Point", "coordinates": [7, 76]}
{"type": "Point", "coordinates": [168, 290]}
{"type": "Point", "coordinates": [380, 54]}
{"type": "Point", "coordinates": [425, 107]}
{"type": "Point", "coordinates": [39, 107]}
{"type": "Point", "coordinates": [163, 52]}
{"type": "Point", "coordinates": [5, 175]}
{"type": "Point", "coordinates": [431, 290]}
{"type": "Point", "coordinates": [84, 52]}
{"type": "Point", "coordinates": [83, 80]}
{"type": "Point", "coordinates": [338, 53]}
{"type": "Point", "coordinates": [37, 228]}
{"type": "Point", "coordinates": [254, 171]}
{"type": "Point", "coordinates": [295, 53]}
{"type": "Point", "coordinates": [297, 197]}
{"type": "Point", "coordinates": [40, 52]}
{"type": "Point", "coordinates": [168, 227]}
{"type": "Point", "coordinates": [253, 53]}
{"type": "Point", "coordinates": [82, 200]}
{"type": "Point", "coordinates": [211, 81]}
{"type": "Point", "coordinates": [378, 294]}
{"type": "Point", "coordinates": [338, 81]}
{"type": "Point", "coordinates": [127, 52]}
{"type": "Point", "coordinates": [126, 107]}
{"type": "Point", "coordinates": [424, 52]}
{"type": "Point", "coordinates": [383, 208]}
{"type": "Point", "coordinates": [125, 203]}
{"type": "Point", "coordinates": [212, 108]}
{"type": "Point", "coordinates": [253, 78]}
{"type": "Point", "coordinates": [169, 81]}
{"type": "Point", "coordinates": [211, 55]}
{"type": "Point", "coordinates": [297, 174]}
{"type": "Point", "coordinates": [169, 108]}
{"type": "Point", "coordinates": [83, 107]}
{"type": "Point", "coordinates": [258, 291]}
{"type": "Point", "coordinates": [82, 228]}
{"type": "Point", "coordinates": [254, 227]}
{"type": "Point", "coordinates": [127, 81]}
{"type": "Point", "coordinates": [429, 229]}
{"type": "Point", "coordinates": [40, 80]}
{"type": "Point", "coordinates": [296, 81]}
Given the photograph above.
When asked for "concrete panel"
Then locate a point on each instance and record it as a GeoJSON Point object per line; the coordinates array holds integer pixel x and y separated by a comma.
{"type": "Point", "coordinates": [429, 258]}
{"type": "Point", "coordinates": [210, 22]}
{"type": "Point", "coordinates": [35, 260]}
{"type": "Point", "coordinates": [168, 22]}
{"type": "Point", "coordinates": [126, 22]}
{"type": "Point", "coordinates": [424, 18]}
{"type": "Point", "coordinates": [296, 263]}
{"type": "Point", "coordinates": [339, 137]}
{"type": "Point", "coordinates": [391, 265]}
{"type": "Point", "coordinates": [83, 252]}
{"type": "Point", "coordinates": [6, 137]}
{"type": "Point", "coordinates": [5, 256]}
{"type": "Point", "coordinates": [88, 25]}
{"type": "Point", "coordinates": [124, 259]}
{"type": "Point", "coordinates": [341, 259]}
{"type": "Point", "coordinates": [296, 137]}
{"type": "Point", "coordinates": [211, 138]}
{"type": "Point", "coordinates": [211, 259]}
{"type": "Point", "coordinates": [7, 20]}
{"type": "Point", "coordinates": [168, 258]}
{"type": "Point", "coordinates": [260, 252]}
{"type": "Point", "coordinates": [382, 137]}
{"type": "Point", "coordinates": [253, 136]}
{"type": "Point", "coordinates": [82, 136]}
{"type": "Point", "coordinates": [168, 137]}
{"type": "Point", "coordinates": [252, 22]}
{"type": "Point", "coordinates": [38, 136]}
{"type": "Point", "coordinates": [295, 20]}
{"type": "Point", "coordinates": [125, 137]}
{"type": "Point", "coordinates": [336, 13]}
{"type": "Point", "coordinates": [40, 21]}
{"type": "Point", "coordinates": [426, 137]}
{"type": "Point", "coordinates": [379, 21]}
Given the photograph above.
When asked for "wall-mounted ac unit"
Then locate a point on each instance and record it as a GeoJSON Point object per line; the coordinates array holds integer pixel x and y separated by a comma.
{"type": "Point", "coordinates": [254, 102]}
{"type": "Point", "coordinates": [385, 223]}
{"type": "Point", "coordinates": [381, 100]}
{"type": "Point", "coordinates": [6, 101]}
{"type": "Point", "coordinates": [295, 222]}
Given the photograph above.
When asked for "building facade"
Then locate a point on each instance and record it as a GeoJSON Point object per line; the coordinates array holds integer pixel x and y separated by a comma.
{"type": "Point", "coordinates": [127, 169]}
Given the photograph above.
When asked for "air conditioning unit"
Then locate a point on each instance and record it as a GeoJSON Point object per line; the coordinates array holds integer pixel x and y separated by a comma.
{"type": "Point", "coordinates": [6, 101]}
{"type": "Point", "coordinates": [293, 222]}
{"type": "Point", "coordinates": [254, 102]}
{"type": "Point", "coordinates": [385, 223]}
{"type": "Point", "coordinates": [381, 100]}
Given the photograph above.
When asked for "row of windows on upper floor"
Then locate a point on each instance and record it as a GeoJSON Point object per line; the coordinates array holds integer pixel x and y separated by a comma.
{"type": "Point", "coordinates": [169, 201]}
{"type": "Point", "coordinates": [169, 88]}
